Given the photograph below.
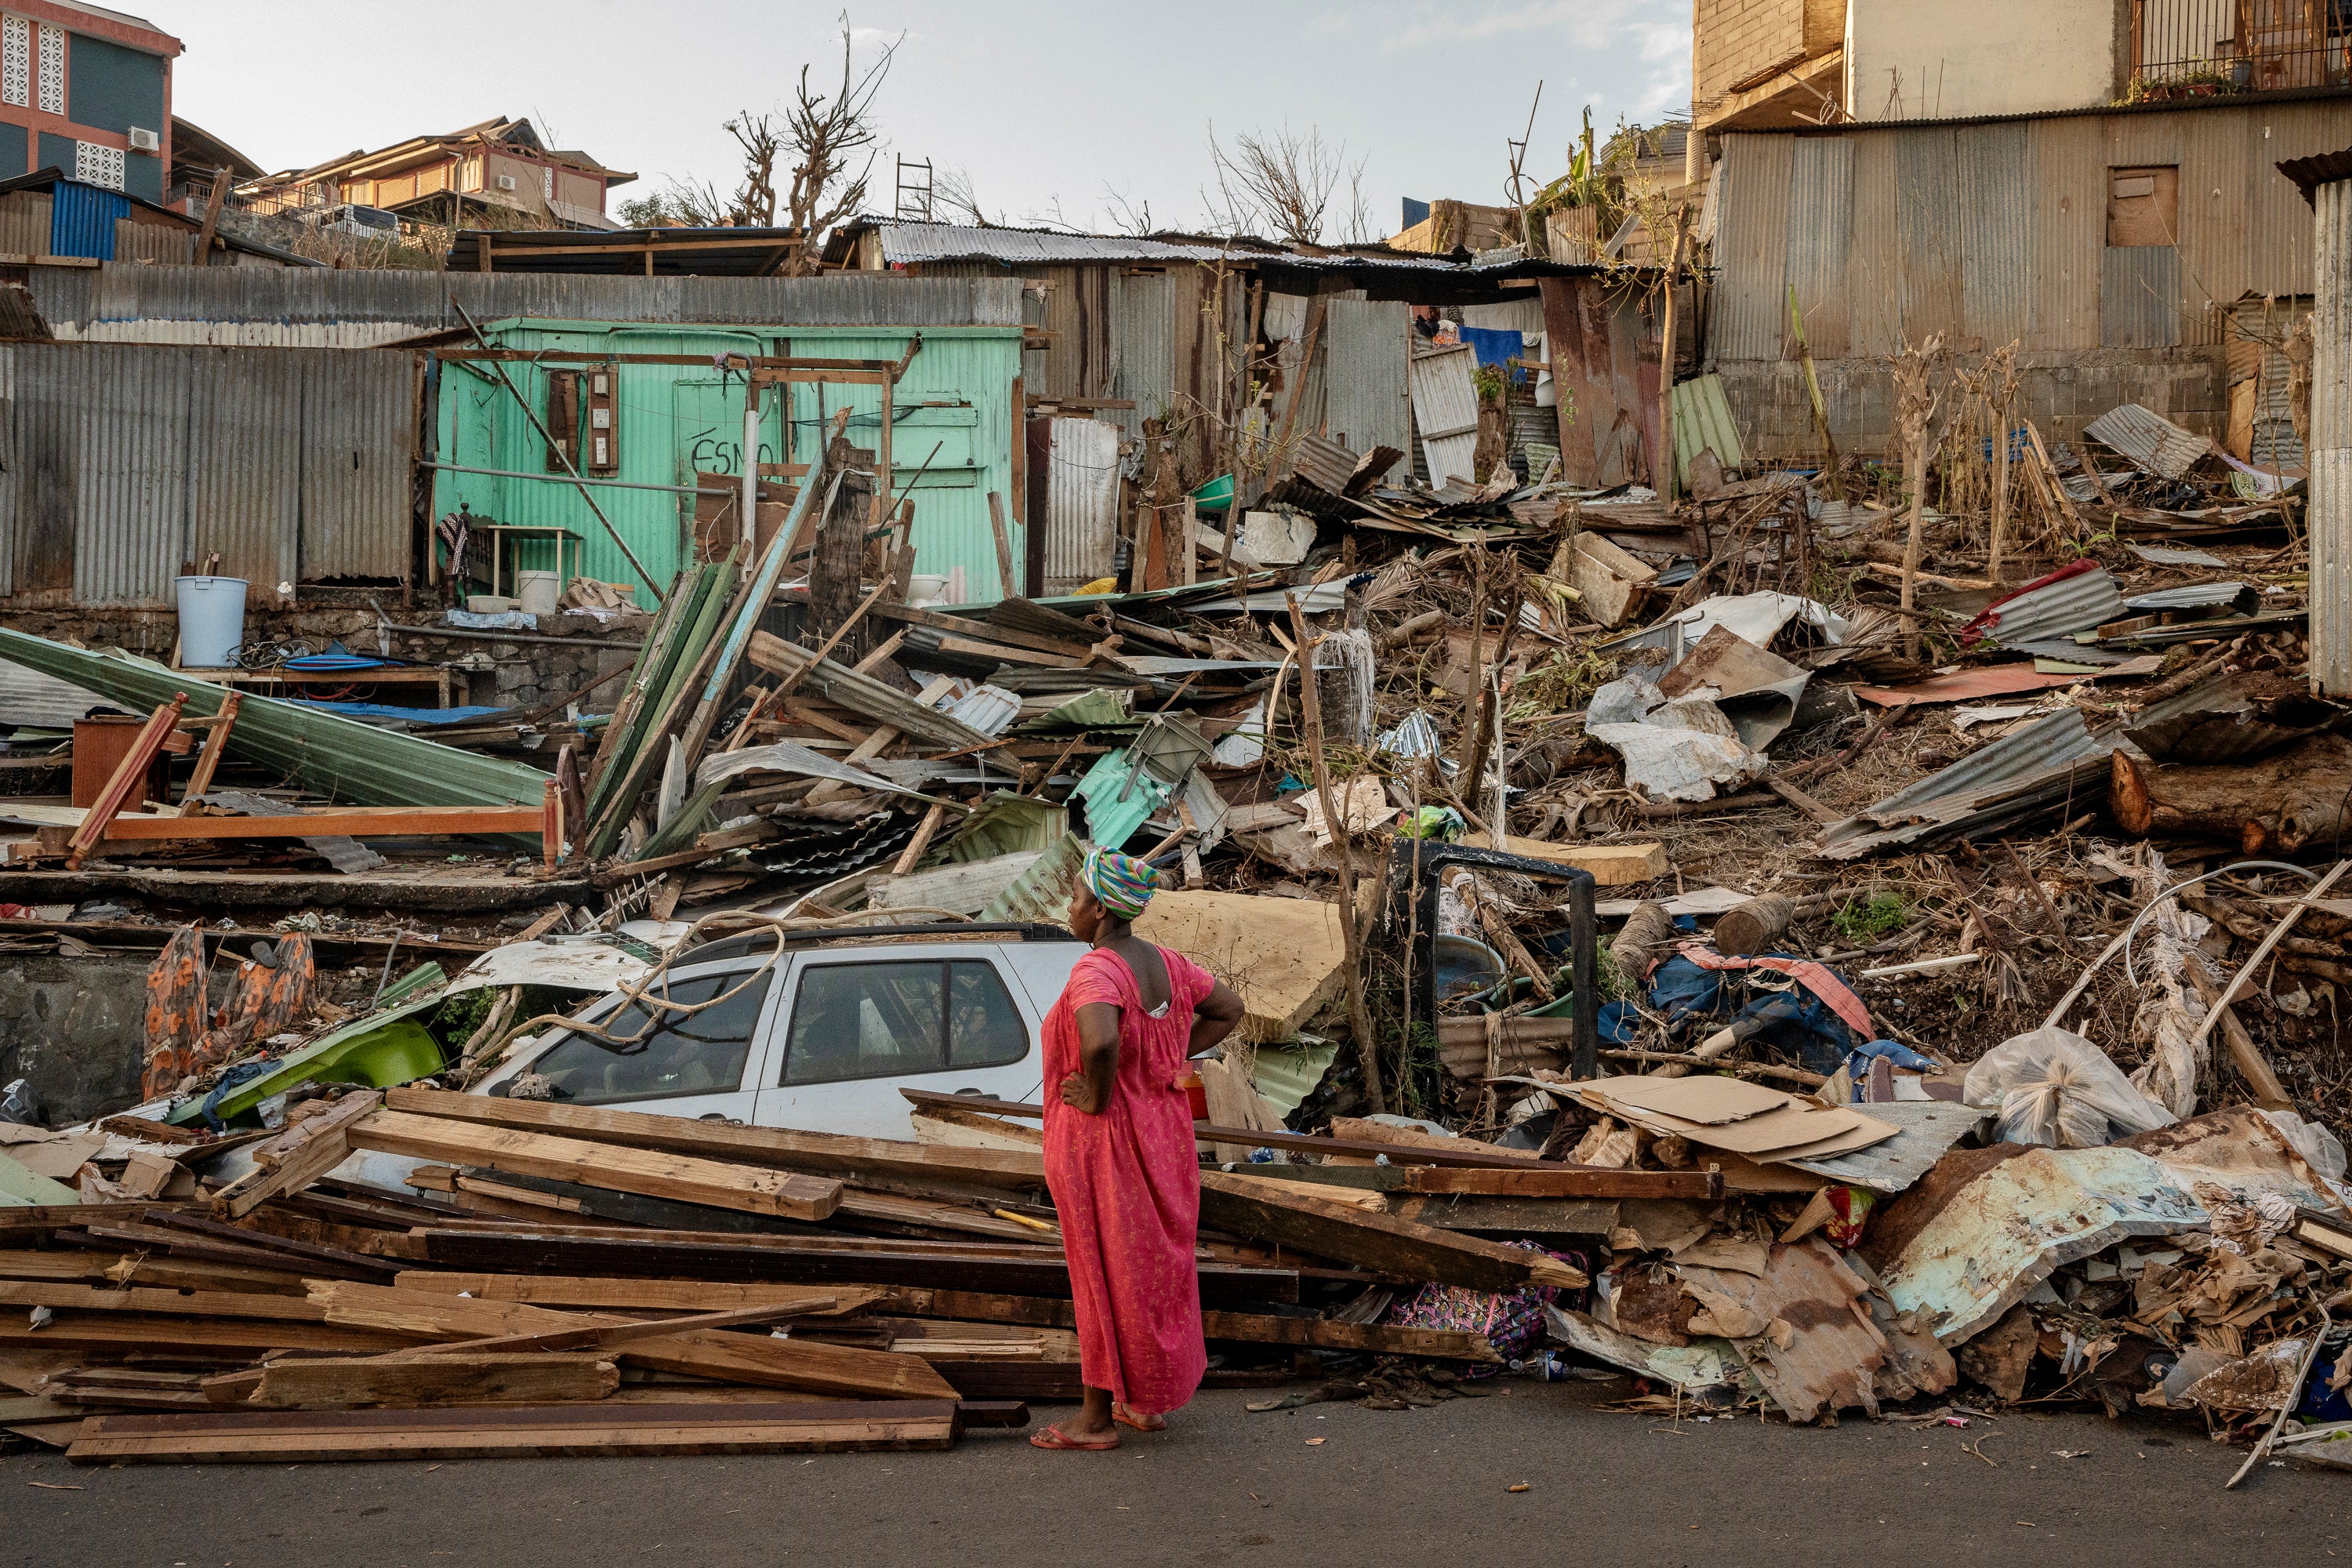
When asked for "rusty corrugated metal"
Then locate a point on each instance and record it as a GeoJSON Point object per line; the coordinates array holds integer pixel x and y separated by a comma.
{"type": "Point", "coordinates": [2139, 297]}
{"type": "Point", "coordinates": [1142, 347]}
{"type": "Point", "coordinates": [1751, 246]}
{"type": "Point", "coordinates": [129, 459]}
{"type": "Point", "coordinates": [1996, 212]}
{"type": "Point", "coordinates": [25, 223]}
{"type": "Point", "coordinates": [1081, 504]}
{"type": "Point", "coordinates": [2149, 439]}
{"type": "Point", "coordinates": [2021, 774]}
{"type": "Point", "coordinates": [1820, 238]}
{"type": "Point", "coordinates": [2331, 442]}
{"type": "Point", "coordinates": [1446, 411]}
{"type": "Point", "coordinates": [1873, 270]}
{"type": "Point", "coordinates": [2071, 218]}
{"type": "Point", "coordinates": [359, 442]}
{"type": "Point", "coordinates": [1366, 401]}
{"type": "Point", "coordinates": [2072, 603]}
{"type": "Point", "coordinates": [1927, 233]}
{"type": "Point", "coordinates": [242, 468]}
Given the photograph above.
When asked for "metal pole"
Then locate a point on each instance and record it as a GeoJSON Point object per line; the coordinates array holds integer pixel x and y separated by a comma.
{"type": "Point", "coordinates": [560, 480]}
{"type": "Point", "coordinates": [645, 573]}
{"type": "Point", "coordinates": [750, 502]}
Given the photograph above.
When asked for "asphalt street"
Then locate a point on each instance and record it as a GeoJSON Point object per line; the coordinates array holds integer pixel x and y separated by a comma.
{"type": "Point", "coordinates": [1327, 1484]}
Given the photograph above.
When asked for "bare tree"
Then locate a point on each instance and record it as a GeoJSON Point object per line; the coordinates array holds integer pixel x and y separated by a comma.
{"type": "Point", "coordinates": [1126, 215]}
{"type": "Point", "coordinates": [827, 135]}
{"type": "Point", "coordinates": [755, 200]}
{"type": "Point", "coordinates": [1280, 181]}
{"type": "Point", "coordinates": [954, 200]}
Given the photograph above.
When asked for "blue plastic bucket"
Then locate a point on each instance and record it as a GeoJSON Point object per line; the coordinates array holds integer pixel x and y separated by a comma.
{"type": "Point", "coordinates": [212, 620]}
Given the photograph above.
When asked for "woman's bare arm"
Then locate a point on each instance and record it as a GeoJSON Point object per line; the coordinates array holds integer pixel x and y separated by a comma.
{"type": "Point", "coordinates": [1217, 1015]}
{"type": "Point", "coordinates": [1088, 1089]}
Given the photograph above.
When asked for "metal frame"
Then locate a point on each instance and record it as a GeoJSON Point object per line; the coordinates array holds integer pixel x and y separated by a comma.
{"type": "Point", "coordinates": [1584, 943]}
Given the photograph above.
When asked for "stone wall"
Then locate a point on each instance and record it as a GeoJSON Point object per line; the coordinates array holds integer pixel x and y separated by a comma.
{"type": "Point", "coordinates": [77, 1027]}
{"type": "Point", "coordinates": [2061, 393]}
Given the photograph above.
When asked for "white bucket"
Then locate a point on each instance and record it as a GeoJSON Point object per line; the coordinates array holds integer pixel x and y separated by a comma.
{"type": "Point", "coordinates": [539, 593]}
{"type": "Point", "coordinates": [212, 620]}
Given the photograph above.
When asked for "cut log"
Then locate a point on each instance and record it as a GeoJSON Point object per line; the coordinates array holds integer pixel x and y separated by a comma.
{"type": "Point", "coordinates": [1754, 926]}
{"type": "Point", "coordinates": [680, 1178]}
{"type": "Point", "coordinates": [482, 1378]}
{"type": "Point", "coordinates": [2276, 805]}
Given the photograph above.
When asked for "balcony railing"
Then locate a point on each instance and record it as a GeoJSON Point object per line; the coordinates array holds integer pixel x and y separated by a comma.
{"type": "Point", "coordinates": [2208, 49]}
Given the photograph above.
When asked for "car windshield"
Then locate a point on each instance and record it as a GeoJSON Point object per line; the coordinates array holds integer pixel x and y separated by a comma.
{"type": "Point", "coordinates": [699, 1052]}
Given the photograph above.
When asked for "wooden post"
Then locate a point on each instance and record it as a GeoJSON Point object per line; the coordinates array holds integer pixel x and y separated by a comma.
{"type": "Point", "coordinates": [1006, 585]}
{"type": "Point", "coordinates": [2000, 499]}
{"type": "Point", "coordinates": [1335, 813]}
{"type": "Point", "coordinates": [1820, 409]}
{"type": "Point", "coordinates": [127, 773]}
{"type": "Point", "coordinates": [216, 742]}
{"type": "Point", "coordinates": [1665, 464]}
{"type": "Point", "coordinates": [203, 257]}
{"type": "Point", "coordinates": [550, 825]}
{"type": "Point", "coordinates": [1915, 404]}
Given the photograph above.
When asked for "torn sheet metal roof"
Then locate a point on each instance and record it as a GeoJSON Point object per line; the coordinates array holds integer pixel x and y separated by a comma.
{"type": "Point", "coordinates": [2011, 1228]}
{"type": "Point", "coordinates": [349, 763]}
{"type": "Point", "coordinates": [792, 757]}
{"type": "Point", "coordinates": [2229, 718]}
{"type": "Point", "coordinates": [2074, 598]}
{"type": "Point", "coordinates": [31, 700]}
{"type": "Point", "coordinates": [2149, 439]}
{"type": "Point", "coordinates": [1927, 1129]}
{"type": "Point", "coordinates": [596, 961]}
{"type": "Point", "coordinates": [990, 710]}
{"type": "Point", "coordinates": [2025, 771]}
{"type": "Point", "coordinates": [1701, 1365]}
{"type": "Point", "coordinates": [2242, 596]}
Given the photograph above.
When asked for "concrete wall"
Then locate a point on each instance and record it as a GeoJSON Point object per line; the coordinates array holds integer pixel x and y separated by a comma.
{"type": "Point", "coordinates": [1734, 39]}
{"type": "Point", "coordinates": [1906, 60]}
{"type": "Point", "coordinates": [77, 1027]}
{"type": "Point", "coordinates": [2061, 392]}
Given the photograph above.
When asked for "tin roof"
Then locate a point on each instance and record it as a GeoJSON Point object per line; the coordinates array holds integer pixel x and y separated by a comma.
{"type": "Point", "coordinates": [2319, 169]}
{"type": "Point", "coordinates": [2149, 439]}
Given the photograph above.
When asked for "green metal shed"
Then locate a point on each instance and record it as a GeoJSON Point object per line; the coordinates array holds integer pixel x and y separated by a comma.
{"type": "Point", "coordinates": [952, 422]}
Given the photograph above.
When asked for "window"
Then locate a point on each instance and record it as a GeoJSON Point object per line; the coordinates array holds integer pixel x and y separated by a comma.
{"type": "Point", "coordinates": [2143, 206]}
{"type": "Point", "coordinates": [687, 1053]}
{"type": "Point", "coordinates": [16, 61]}
{"type": "Point", "coordinates": [53, 69]}
{"type": "Point", "coordinates": [98, 165]}
{"type": "Point", "coordinates": [874, 1020]}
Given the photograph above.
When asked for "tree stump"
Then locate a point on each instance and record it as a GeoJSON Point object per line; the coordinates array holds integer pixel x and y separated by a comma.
{"type": "Point", "coordinates": [2279, 804]}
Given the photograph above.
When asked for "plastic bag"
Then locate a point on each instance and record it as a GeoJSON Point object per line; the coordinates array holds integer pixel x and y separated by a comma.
{"type": "Point", "coordinates": [2060, 1090]}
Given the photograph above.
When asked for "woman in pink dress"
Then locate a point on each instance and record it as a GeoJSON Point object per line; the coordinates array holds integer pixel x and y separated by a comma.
{"type": "Point", "coordinates": [1121, 1160]}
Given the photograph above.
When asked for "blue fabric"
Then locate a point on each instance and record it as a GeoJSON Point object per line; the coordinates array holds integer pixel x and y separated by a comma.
{"type": "Point", "coordinates": [385, 711]}
{"type": "Point", "coordinates": [244, 1072]}
{"type": "Point", "coordinates": [1792, 1019]}
{"type": "Point", "coordinates": [1494, 346]}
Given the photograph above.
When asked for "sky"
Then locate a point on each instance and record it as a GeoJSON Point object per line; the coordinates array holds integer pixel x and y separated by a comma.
{"type": "Point", "coordinates": [1056, 114]}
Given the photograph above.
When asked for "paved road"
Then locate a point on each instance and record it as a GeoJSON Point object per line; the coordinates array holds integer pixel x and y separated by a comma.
{"type": "Point", "coordinates": [1325, 1485]}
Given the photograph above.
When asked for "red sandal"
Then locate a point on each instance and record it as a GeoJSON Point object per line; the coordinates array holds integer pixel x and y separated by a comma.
{"type": "Point", "coordinates": [1055, 1437]}
{"type": "Point", "coordinates": [1128, 1416]}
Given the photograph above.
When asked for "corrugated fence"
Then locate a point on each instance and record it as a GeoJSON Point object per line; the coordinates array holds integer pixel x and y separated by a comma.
{"type": "Point", "coordinates": [123, 461]}
{"type": "Point", "coordinates": [2331, 445]}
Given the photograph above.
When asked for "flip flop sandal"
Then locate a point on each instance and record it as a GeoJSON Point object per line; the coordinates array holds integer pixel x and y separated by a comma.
{"type": "Point", "coordinates": [1055, 1437]}
{"type": "Point", "coordinates": [1131, 1419]}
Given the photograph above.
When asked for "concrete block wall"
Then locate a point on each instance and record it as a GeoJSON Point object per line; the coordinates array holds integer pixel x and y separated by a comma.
{"type": "Point", "coordinates": [1734, 39]}
{"type": "Point", "coordinates": [2061, 393]}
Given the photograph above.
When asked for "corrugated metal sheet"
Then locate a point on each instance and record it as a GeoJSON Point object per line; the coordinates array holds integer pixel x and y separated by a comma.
{"type": "Point", "coordinates": [1523, 314]}
{"type": "Point", "coordinates": [1873, 272]}
{"type": "Point", "coordinates": [2072, 603]}
{"type": "Point", "coordinates": [1751, 248]}
{"type": "Point", "coordinates": [83, 219]}
{"type": "Point", "coordinates": [25, 223]}
{"type": "Point", "coordinates": [126, 460]}
{"type": "Point", "coordinates": [1929, 245]}
{"type": "Point", "coordinates": [2057, 741]}
{"type": "Point", "coordinates": [2331, 443]}
{"type": "Point", "coordinates": [38, 701]}
{"type": "Point", "coordinates": [2071, 219]}
{"type": "Point", "coordinates": [2139, 297]}
{"type": "Point", "coordinates": [918, 242]}
{"type": "Point", "coordinates": [1820, 238]}
{"type": "Point", "coordinates": [1702, 423]}
{"type": "Point", "coordinates": [1143, 348]}
{"type": "Point", "coordinates": [1081, 504]}
{"type": "Point", "coordinates": [2149, 439]}
{"type": "Point", "coordinates": [1366, 401]}
{"type": "Point", "coordinates": [1996, 214]}
{"type": "Point", "coordinates": [296, 307]}
{"type": "Point", "coordinates": [1446, 411]}
{"type": "Point", "coordinates": [359, 441]}
{"type": "Point", "coordinates": [152, 243]}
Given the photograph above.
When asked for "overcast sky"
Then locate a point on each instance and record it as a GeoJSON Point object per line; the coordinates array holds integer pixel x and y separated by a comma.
{"type": "Point", "coordinates": [1039, 103]}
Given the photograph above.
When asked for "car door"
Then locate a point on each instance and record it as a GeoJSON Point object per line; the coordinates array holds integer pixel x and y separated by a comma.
{"type": "Point", "coordinates": [859, 1025]}
{"type": "Point", "coordinates": [707, 1062]}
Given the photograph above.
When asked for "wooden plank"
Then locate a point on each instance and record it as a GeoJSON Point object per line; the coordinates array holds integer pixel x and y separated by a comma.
{"type": "Point", "coordinates": [1611, 865]}
{"type": "Point", "coordinates": [826, 1152]}
{"type": "Point", "coordinates": [351, 823]}
{"type": "Point", "coordinates": [1508, 1216]}
{"type": "Point", "coordinates": [554, 1252]}
{"type": "Point", "coordinates": [730, 1357]}
{"type": "Point", "coordinates": [161, 1335]}
{"type": "Point", "coordinates": [638, 1295]}
{"type": "Point", "coordinates": [658, 1175]}
{"type": "Point", "coordinates": [1075, 647]}
{"type": "Point", "coordinates": [474, 1378]}
{"type": "Point", "coordinates": [293, 1252]}
{"type": "Point", "coordinates": [203, 1249]}
{"type": "Point", "coordinates": [1570, 1182]}
{"type": "Point", "coordinates": [296, 1157]}
{"type": "Point", "coordinates": [292, 1437]}
{"type": "Point", "coordinates": [1274, 1212]}
{"type": "Point", "coordinates": [207, 1304]}
{"type": "Point", "coordinates": [65, 1266]}
{"type": "Point", "coordinates": [604, 1336]}
{"type": "Point", "coordinates": [1246, 1328]}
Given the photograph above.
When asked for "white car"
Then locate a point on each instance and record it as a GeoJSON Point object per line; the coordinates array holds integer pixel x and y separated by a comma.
{"type": "Point", "coordinates": [825, 1038]}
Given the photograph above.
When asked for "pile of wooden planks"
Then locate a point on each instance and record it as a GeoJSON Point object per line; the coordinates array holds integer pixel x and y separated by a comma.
{"type": "Point", "coordinates": [561, 1279]}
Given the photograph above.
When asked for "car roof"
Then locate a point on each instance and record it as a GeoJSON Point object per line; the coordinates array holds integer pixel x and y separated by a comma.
{"type": "Point", "coordinates": [761, 941]}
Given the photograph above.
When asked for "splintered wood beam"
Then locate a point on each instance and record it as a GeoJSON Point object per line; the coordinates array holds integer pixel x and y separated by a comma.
{"type": "Point", "coordinates": [1272, 1212]}
{"type": "Point", "coordinates": [460, 1377]}
{"type": "Point", "coordinates": [680, 1178]}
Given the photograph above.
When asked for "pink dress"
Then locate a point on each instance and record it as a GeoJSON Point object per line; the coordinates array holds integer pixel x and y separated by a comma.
{"type": "Point", "coordinates": [1126, 1186]}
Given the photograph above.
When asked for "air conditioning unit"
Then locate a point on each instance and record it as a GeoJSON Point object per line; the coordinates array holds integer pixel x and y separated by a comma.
{"type": "Point", "coordinates": [145, 140]}
{"type": "Point", "coordinates": [505, 182]}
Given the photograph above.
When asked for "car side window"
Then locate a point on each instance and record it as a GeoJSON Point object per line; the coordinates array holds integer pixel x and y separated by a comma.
{"type": "Point", "coordinates": [878, 1020]}
{"type": "Point", "coordinates": [682, 1054]}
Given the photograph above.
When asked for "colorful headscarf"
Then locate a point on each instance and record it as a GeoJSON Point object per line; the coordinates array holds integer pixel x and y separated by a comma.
{"type": "Point", "coordinates": [1121, 883]}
